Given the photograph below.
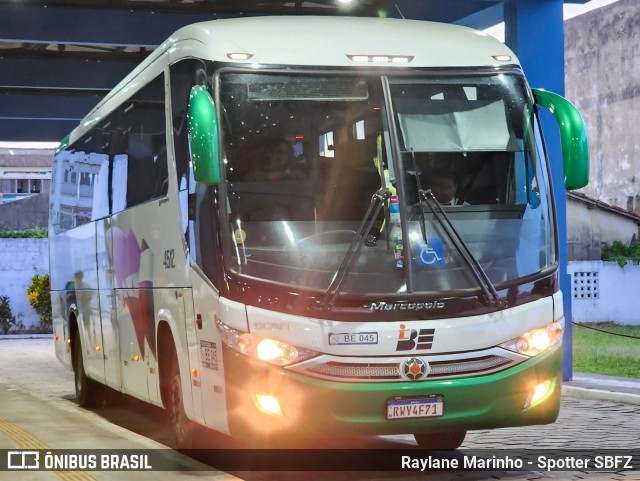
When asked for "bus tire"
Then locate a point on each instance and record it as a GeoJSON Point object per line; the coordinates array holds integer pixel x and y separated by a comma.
{"type": "Point", "coordinates": [446, 441]}
{"type": "Point", "coordinates": [88, 392]}
{"type": "Point", "coordinates": [181, 426]}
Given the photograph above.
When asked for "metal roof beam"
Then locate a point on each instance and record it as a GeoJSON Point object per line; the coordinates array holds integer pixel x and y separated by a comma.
{"type": "Point", "coordinates": [35, 130]}
{"type": "Point", "coordinates": [46, 105]}
{"type": "Point", "coordinates": [62, 73]}
{"type": "Point", "coordinates": [104, 27]}
{"type": "Point", "coordinates": [100, 23]}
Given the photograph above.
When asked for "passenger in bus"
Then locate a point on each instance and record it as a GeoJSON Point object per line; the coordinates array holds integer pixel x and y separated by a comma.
{"type": "Point", "coordinates": [444, 187]}
{"type": "Point", "coordinates": [279, 163]}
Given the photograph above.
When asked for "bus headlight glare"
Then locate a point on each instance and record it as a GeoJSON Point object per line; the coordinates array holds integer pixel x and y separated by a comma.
{"type": "Point", "coordinates": [537, 340]}
{"type": "Point", "coordinates": [540, 340]}
{"type": "Point", "coordinates": [268, 350]}
{"type": "Point", "coordinates": [265, 349]}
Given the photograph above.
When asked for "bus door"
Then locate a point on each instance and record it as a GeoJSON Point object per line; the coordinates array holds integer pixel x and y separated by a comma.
{"type": "Point", "coordinates": [107, 297]}
{"type": "Point", "coordinates": [206, 305]}
{"type": "Point", "coordinates": [193, 347]}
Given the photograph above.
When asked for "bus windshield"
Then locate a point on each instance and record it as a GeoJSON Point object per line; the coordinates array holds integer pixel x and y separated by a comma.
{"type": "Point", "coordinates": [306, 153]}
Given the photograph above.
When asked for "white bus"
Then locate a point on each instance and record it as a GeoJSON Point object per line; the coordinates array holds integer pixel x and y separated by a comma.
{"type": "Point", "coordinates": [316, 225]}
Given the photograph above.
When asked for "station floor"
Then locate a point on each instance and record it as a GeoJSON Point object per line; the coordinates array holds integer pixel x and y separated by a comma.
{"type": "Point", "coordinates": [38, 411]}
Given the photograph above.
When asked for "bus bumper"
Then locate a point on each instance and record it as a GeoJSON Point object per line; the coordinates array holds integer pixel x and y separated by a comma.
{"type": "Point", "coordinates": [315, 406]}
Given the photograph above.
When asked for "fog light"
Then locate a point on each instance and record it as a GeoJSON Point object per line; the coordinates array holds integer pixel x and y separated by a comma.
{"type": "Point", "coordinates": [268, 404]}
{"type": "Point", "coordinates": [540, 393]}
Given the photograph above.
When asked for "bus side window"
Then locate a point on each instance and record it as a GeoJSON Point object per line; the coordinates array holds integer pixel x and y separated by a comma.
{"type": "Point", "coordinates": [143, 160]}
{"type": "Point", "coordinates": [184, 76]}
{"type": "Point", "coordinates": [196, 201]}
{"type": "Point", "coordinates": [81, 194]}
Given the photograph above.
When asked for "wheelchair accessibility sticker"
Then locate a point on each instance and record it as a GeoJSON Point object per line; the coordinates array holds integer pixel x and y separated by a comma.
{"type": "Point", "coordinates": [431, 254]}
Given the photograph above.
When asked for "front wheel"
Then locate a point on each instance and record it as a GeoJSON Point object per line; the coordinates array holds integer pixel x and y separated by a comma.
{"type": "Point", "coordinates": [88, 392]}
{"type": "Point", "coordinates": [181, 427]}
{"type": "Point", "coordinates": [447, 441]}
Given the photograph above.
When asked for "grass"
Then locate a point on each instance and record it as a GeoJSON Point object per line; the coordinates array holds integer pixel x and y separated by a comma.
{"type": "Point", "coordinates": [602, 353]}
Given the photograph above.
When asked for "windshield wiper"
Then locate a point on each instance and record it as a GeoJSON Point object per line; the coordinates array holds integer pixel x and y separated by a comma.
{"type": "Point", "coordinates": [491, 296]}
{"type": "Point", "coordinates": [377, 201]}
{"type": "Point", "coordinates": [423, 222]}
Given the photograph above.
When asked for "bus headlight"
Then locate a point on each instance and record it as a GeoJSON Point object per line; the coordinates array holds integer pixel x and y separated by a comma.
{"type": "Point", "coordinates": [536, 341]}
{"type": "Point", "coordinates": [265, 349]}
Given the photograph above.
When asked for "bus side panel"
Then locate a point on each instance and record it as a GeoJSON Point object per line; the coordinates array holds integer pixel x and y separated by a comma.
{"type": "Point", "coordinates": [74, 263]}
{"type": "Point", "coordinates": [60, 329]}
{"type": "Point", "coordinates": [149, 273]}
{"type": "Point", "coordinates": [60, 270]}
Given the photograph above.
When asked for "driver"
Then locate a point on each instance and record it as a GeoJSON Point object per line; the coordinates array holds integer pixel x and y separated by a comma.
{"type": "Point", "coordinates": [278, 165]}
{"type": "Point", "coordinates": [444, 187]}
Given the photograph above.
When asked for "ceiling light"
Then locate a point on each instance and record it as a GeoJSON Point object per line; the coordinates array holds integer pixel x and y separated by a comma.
{"type": "Point", "coordinates": [502, 58]}
{"type": "Point", "coordinates": [239, 56]}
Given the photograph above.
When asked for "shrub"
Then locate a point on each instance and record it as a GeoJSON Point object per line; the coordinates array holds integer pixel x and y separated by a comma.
{"type": "Point", "coordinates": [36, 233]}
{"type": "Point", "coordinates": [621, 253]}
{"type": "Point", "coordinates": [39, 298]}
{"type": "Point", "coordinates": [7, 319]}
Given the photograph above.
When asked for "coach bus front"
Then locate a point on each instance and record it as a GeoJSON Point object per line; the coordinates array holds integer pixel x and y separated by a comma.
{"type": "Point", "coordinates": [393, 239]}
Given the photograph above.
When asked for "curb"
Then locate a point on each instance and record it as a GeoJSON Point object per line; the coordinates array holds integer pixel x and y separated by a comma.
{"type": "Point", "coordinates": [601, 395]}
{"type": "Point", "coordinates": [25, 336]}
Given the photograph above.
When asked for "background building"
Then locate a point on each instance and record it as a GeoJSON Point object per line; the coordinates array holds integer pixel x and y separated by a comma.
{"type": "Point", "coordinates": [602, 73]}
{"type": "Point", "coordinates": [25, 181]}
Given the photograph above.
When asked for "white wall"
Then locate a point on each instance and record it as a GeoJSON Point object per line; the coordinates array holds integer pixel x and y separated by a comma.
{"type": "Point", "coordinates": [605, 291]}
{"type": "Point", "coordinates": [19, 260]}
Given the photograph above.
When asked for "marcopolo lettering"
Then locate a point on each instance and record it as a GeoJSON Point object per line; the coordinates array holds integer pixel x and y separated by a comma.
{"type": "Point", "coordinates": [406, 306]}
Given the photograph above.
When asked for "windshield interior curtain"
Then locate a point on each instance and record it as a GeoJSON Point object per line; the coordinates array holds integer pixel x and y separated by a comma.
{"type": "Point", "coordinates": [454, 125]}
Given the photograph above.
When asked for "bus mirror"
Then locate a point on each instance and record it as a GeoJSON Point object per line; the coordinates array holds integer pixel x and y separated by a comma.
{"type": "Point", "coordinates": [573, 137]}
{"type": "Point", "coordinates": [203, 137]}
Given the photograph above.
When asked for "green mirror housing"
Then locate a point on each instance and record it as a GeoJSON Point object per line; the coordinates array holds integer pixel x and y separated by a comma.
{"type": "Point", "coordinates": [203, 137]}
{"type": "Point", "coordinates": [64, 143]}
{"type": "Point", "coordinates": [573, 137]}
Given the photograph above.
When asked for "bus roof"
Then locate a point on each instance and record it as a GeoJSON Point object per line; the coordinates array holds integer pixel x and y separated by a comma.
{"type": "Point", "coordinates": [327, 41]}
{"type": "Point", "coordinates": [313, 41]}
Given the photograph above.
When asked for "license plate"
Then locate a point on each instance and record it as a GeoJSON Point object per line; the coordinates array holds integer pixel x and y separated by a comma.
{"type": "Point", "coordinates": [427, 407]}
{"type": "Point", "coordinates": [353, 338]}
{"type": "Point", "coordinates": [209, 355]}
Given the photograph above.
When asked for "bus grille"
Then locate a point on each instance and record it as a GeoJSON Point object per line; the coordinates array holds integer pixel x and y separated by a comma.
{"type": "Point", "coordinates": [391, 371]}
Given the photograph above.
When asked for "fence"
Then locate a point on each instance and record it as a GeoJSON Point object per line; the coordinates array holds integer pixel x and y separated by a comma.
{"type": "Point", "coordinates": [604, 291]}
{"type": "Point", "coordinates": [19, 260]}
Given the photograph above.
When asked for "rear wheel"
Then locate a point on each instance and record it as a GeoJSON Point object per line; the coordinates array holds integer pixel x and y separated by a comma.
{"type": "Point", "coordinates": [88, 392]}
{"type": "Point", "coordinates": [446, 441]}
{"type": "Point", "coordinates": [181, 427]}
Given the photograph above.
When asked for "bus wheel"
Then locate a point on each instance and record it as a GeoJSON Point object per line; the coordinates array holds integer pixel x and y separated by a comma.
{"type": "Point", "coordinates": [181, 427]}
{"type": "Point", "coordinates": [88, 392]}
{"type": "Point", "coordinates": [446, 441]}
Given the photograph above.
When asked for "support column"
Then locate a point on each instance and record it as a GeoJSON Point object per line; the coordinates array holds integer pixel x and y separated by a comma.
{"type": "Point", "coordinates": [534, 31]}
